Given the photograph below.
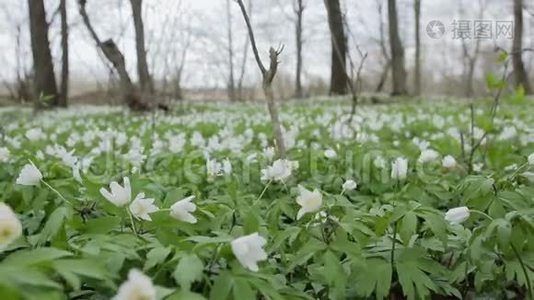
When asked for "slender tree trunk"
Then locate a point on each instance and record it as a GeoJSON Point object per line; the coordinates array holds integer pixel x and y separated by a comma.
{"type": "Point", "coordinates": [417, 77]}
{"type": "Point", "coordinates": [231, 77]}
{"type": "Point", "coordinates": [45, 89]}
{"type": "Point", "coordinates": [129, 93]}
{"type": "Point", "coordinates": [268, 76]}
{"type": "Point", "coordinates": [145, 81]}
{"type": "Point", "coordinates": [384, 50]}
{"type": "Point", "coordinates": [240, 95]}
{"type": "Point", "coordinates": [520, 74]}
{"type": "Point", "coordinates": [383, 77]}
{"type": "Point", "coordinates": [338, 76]}
{"type": "Point", "coordinates": [64, 85]}
{"type": "Point", "coordinates": [299, 9]}
{"type": "Point", "coordinates": [397, 52]}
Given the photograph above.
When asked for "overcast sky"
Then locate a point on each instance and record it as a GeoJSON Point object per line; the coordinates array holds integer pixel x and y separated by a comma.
{"type": "Point", "coordinates": [170, 23]}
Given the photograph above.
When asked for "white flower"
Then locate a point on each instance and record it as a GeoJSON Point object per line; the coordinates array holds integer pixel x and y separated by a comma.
{"type": "Point", "coordinates": [29, 175]}
{"type": "Point", "coordinates": [141, 207]}
{"type": "Point", "coordinates": [379, 162]}
{"type": "Point", "coordinates": [227, 166]}
{"type": "Point", "coordinates": [349, 185]}
{"type": "Point", "coordinates": [120, 195]}
{"type": "Point", "coordinates": [10, 226]}
{"type": "Point", "coordinates": [137, 287]}
{"type": "Point", "coordinates": [457, 215]}
{"type": "Point", "coordinates": [268, 153]}
{"type": "Point", "coordinates": [35, 134]}
{"type": "Point", "coordinates": [531, 159]}
{"type": "Point", "coordinates": [448, 162]}
{"type": "Point", "coordinates": [248, 250]}
{"type": "Point", "coordinates": [477, 167]}
{"type": "Point", "coordinates": [4, 154]}
{"type": "Point", "coordinates": [428, 155]}
{"type": "Point", "coordinates": [279, 171]}
{"type": "Point", "coordinates": [135, 156]}
{"type": "Point", "coordinates": [330, 153]}
{"type": "Point", "coordinates": [528, 175]}
{"type": "Point", "coordinates": [399, 168]}
{"type": "Point", "coordinates": [309, 201]}
{"type": "Point", "coordinates": [76, 173]}
{"type": "Point", "coordinates": [182, 210]}
{"type": "Point", "coordinates": [252, 158]}
{"type": "Point", "coordinates": [213, 168]}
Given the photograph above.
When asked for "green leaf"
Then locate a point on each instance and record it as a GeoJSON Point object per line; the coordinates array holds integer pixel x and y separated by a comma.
{"type": "Point", "coordinates": [221, 287]}
{"type": "Point", "coordinates": [242, 289]}
{"type": "Point", "coordinates": [156, 256]}
{"type": "Point", "coordinates": [372, 276]}
{"type": "Point", "coordinates": [188, 270]}
{"type": "Point", "coordinates": [35, 256]}
{"type": "Point", "coordinates": [412, 272]}
{"type": "Point", "coordinates": [53, 225]}
{"type": "Point", "coordinates": [23, 276]}
{"type": "Point", "coordinates": [408, 226]}
{"type": "Point", "coordinates": [185, 295]}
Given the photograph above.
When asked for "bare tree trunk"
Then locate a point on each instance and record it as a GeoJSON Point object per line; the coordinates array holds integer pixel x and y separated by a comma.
{"type": "Point", "coordinates": [268, 76]}
{"type": "Point", "coordinates": [129, 93]}
{"type": "Point", "coordinates": [299, 10]}
{"type": "Point", "coordinates": [240, 95]}
{"type": "Point", "coordinates": [520, 74]}
{"type": "Point", "coordinates": [45, 89]}
{"type": "Point", "coordinates": [470, 59]}
{"type": "Point", "coordinates": [145, 81]}
{"type": "Point", "coordinates": [338, 76]}
{"type": "Point", "coordinates": [231, 78]}
{"type": "Point", "coordinates": [417, 77]}
{"type": "Point", "coordinates": [64, 85]}
{"type": "Point", "coordinates": [383, 49]}
{"type": "Point", "coordinates": [397, 52]}
{"type": "Point", "coordinates": [383, 77]}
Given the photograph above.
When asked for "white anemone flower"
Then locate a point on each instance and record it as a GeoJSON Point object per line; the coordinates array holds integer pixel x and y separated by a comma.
{"type": "Point", "coordinates": [248, 250]}
{"type": "Point", "coordinates": [428, 155]}
{"type": "Point", "coordinates": [119, 195]}
{"type": "Point", "coordinates": [349, 185]}
{"type": "Point", "coordinates": [448, 162]}
{"type": "Point", "coordinates": [29, 175]}
{"type": "Point", "coordinates": [399, 168]}
{"type": "Point", "coordinates": [10, 226]}
{"type": "Point", "coordinates": [4, 154]}
{"type": "Point", "coordinates": [142, 207]}
{"type": "Point", "coordinates": [309, 201]}
{"type": "Point", "coordinates": [182, 210]}
{"type": "Point", "coordinates": [137, 287]}
{"type": "Point", "coordinates": [457, 215]}
{"type": "Point", "coordinates": [280, 170]}
{"type": "Point", "coordinates": [330, 153]}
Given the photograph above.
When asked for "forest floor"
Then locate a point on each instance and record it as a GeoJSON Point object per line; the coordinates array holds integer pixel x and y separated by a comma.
{"type": "Point", "coordinates": [418, 198]}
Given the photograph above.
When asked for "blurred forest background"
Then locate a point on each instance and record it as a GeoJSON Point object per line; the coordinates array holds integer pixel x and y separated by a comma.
{"type": "Point", "coordinates": [97, 51]}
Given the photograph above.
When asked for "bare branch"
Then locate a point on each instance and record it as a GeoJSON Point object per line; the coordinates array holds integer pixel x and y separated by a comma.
{"type": "Point", "coordinates": [251, 36]}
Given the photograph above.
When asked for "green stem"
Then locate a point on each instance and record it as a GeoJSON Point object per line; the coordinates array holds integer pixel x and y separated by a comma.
{"type": "Point", "coordinates": [264, 190]}
{"type": "Point", "coordinates": [57, 192]}
{"type": "Point", "coordinates": [519, 169]}
{"type": "Point", "coordinates": [527, 278]}
{"type": "Point", "coordinates": [133, 222]}
{"type": "Point", "coordinates": [481, 213]}
{"type": "Point", "coordinates": [392, 259]}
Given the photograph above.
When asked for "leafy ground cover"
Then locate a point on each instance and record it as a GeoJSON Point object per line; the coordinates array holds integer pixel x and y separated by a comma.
{"type": "Point", "coordinates": [412, 201]}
